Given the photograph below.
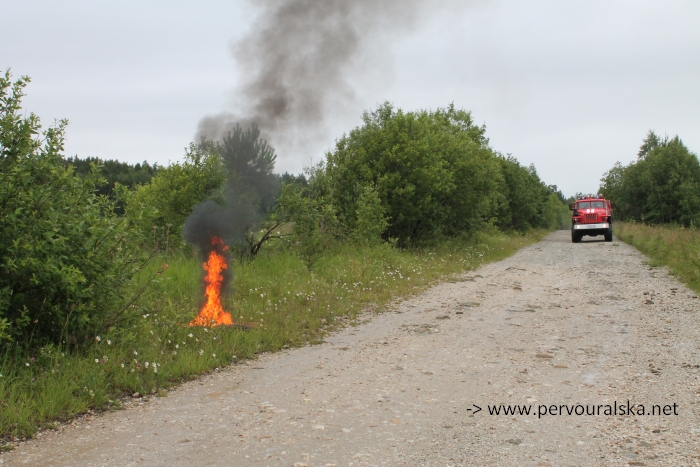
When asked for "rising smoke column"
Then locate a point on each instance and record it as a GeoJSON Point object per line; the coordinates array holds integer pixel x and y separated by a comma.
{"type": "Point", "coordinates": [250, 189]}
{"type": "Point", "coordinates": [296, 61]}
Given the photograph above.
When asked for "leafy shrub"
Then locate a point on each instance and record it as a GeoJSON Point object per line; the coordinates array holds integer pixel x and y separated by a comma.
{"type": "Point", "coordinates": [314, 221]}
{"type": "Point", "coordinates": [434, 175]}
{"type": "Point", "coordinates": [114, 174]}
{"type": "Point", "coordinates": [433, 171]}
{"type": "Point", "coordinates": [65, 257]}
{"type": "Point", "coordinates": [159, 208]}
{"type": "Point", "coordinates": [661, 186]}
{"type": "Point", "coordinates": [370, 221]}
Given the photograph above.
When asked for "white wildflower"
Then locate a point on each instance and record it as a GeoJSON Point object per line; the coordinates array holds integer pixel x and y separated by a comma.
{"type": "Point", "coordinates": [97, 338]}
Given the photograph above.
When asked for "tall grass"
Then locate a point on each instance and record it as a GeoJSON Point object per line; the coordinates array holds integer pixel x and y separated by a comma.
{"type": "Point", "coordinates": [291, 305]}
{"type": "Point", "coordinates": [672, 246]}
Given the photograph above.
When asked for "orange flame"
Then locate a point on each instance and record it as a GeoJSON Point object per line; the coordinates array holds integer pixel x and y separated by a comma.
{"type": "Point", "coordinates": [212, 313]}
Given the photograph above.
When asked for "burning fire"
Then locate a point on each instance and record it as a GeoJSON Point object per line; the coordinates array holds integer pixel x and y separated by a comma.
{"type": "Point", "coordinates": [212, 312]}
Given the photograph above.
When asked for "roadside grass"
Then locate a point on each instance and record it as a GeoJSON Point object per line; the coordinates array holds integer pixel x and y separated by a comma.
{"type": "Point", "coordinates": [672, 246]}
{"type": "Point", "coordinates": [290, 305]}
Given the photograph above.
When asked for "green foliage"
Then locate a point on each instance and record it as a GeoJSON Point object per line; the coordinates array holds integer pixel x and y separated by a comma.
{"type": "Point", "coordinates": [370, 222]}
{"type": "Point", "coordinates": [114, 174]}
{"type": "Point", "coordinates": [433, 172]}
{"type": "Point", "coordinates": [159, 208]}
{"type": "Point", "coordinates": [65, 258]}
{"type": "Point", "coordinates": [249, 162]}
{"type": "Point", "coordinates": [294, 179]}
{"type": "Point", "coordinates": [556, 214]}
{"type": "Point", "coordinates": [527, 202]}
{"type": "Point", "coordinates": [435, 177]}
{"type": "Point", "coordinates": [313, 218]}
{"type": "Point", "coordinates": [662, 186]}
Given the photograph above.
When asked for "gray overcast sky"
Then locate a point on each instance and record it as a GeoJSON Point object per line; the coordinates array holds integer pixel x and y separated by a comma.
{"type": "Point", "coordinates": [567, 85]}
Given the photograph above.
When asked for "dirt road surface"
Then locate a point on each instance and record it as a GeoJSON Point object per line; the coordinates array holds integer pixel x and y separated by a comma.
{"type": "Point", "coordinates": [555, 324]}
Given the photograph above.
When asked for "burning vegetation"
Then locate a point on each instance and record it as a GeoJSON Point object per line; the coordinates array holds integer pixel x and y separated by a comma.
{"type": "Point", "coordinates": [249, 193]}
{"type": "Point", "coordinates": [212, 312]}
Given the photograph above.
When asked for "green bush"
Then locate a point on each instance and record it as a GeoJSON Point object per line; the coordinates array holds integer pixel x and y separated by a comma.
{"type": "Point", "coordinates": [370, 221]}
{"type": "Point", "coordinates": [433, 171]}
{"type": "Point", "coordinates": [65, 257]}
{"type": "Point", "coordinates": [434, 176]}
{"type": "Point", "coordinates": [159, 208]}
{"type": "Point", "coordinates": [528, 203]}
{"type": "Point", "coordinates": [314, 221]}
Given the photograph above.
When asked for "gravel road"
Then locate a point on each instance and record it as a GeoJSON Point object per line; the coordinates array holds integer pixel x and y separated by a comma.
{"type": "Point", "coordinates": [555, 324]}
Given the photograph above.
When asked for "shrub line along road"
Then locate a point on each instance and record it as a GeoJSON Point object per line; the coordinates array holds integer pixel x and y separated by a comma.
{"type": "Point", "coordinates": [557, 323]}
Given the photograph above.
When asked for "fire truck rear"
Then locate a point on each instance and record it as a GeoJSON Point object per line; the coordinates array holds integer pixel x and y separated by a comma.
{"type": "Point", "coordinates": [591, 216]}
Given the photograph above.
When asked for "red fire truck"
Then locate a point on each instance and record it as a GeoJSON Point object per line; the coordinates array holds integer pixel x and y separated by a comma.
{"type": "Point", "coordinates": [591, 216]}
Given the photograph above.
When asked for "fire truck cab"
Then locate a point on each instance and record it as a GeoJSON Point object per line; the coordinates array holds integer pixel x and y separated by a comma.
{"type": "Point", "coordinates": [591, 216]}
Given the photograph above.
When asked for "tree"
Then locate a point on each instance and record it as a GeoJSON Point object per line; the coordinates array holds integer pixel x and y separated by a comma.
{"type": "Point", "coordinates": [651, 142]}
{"type": "Point", "coordinates": [662, 186]}
{"type": "Point", "coordinates": [433, 172]}
{"type": "Point", "coordinates": [248, 195]}
{"type": "Point", "coordinates": [114, 172]}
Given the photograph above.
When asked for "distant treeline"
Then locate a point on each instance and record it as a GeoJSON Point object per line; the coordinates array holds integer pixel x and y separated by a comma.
{"type": "Point", "coordinates": [113, 171]}
{"type": "Point", "coordinates": [661, 187]}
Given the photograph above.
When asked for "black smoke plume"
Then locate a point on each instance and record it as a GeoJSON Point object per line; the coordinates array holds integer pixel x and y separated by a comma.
{"type": "Point", "coordinates": [296, 61]}
{"type": "Point", "coordinates": [250, 190]}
